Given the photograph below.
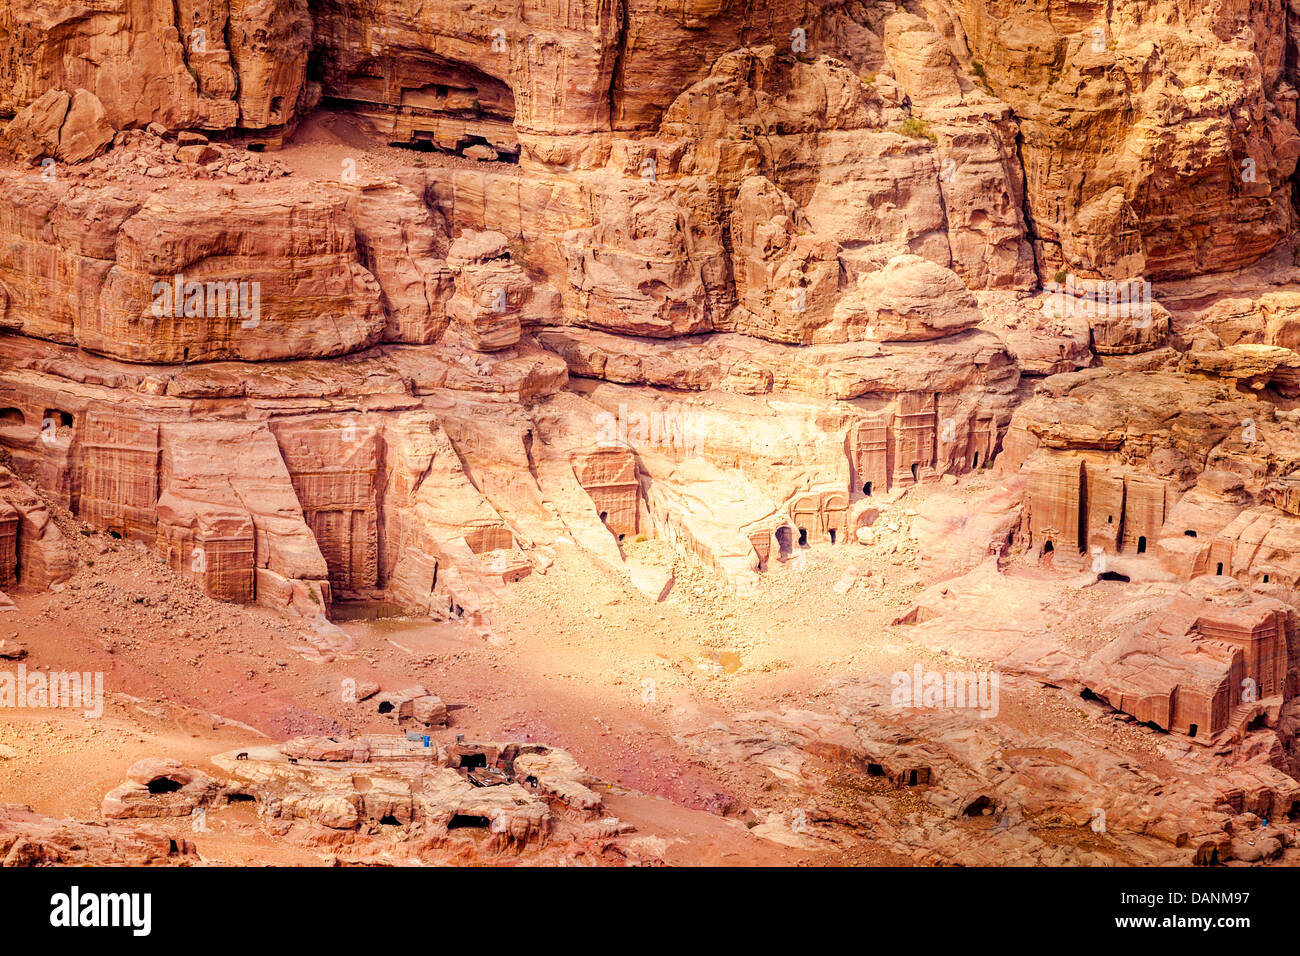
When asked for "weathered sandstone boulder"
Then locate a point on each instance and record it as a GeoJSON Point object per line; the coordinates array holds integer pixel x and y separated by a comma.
{"type": "Point", "coordinates": [33, 551]}
{"type": "Point", "coordinates": [34, 839]}
{"type": "Point", "coordinates": [1211, 662]}
{"type": "Point", "coordinates": [159, 787]}
{"type": "Point", "coordinates": [58, 125]}
{"type": "Point", "coordinates": [910, 299]}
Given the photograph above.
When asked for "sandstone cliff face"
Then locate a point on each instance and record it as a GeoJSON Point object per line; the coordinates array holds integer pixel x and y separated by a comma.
{"type": "Point", "coordinates": [732, 276]}
{"type": "Point", "coordinates": [1132, 121]}
{"type": "Point", "coordinates": [1158, 140]}
{"type": "Point", "coordinates": [792, 255]}
{"type": "Point", "coordinates": [209, 65]}
{"type": "Point", "coordinates": [69, 127]}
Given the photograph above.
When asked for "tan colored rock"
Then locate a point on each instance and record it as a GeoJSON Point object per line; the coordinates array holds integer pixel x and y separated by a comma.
{"type": "Point", "coordinates": [1206, 666]}
{"type": "Point", "coordinates": [34, 839]}
{"type": "Point", "coordinates": [911, 299]}
{"type": "Point", "coordinates": [412, 704]}
{"type": "Point", "coordinates": [33, 552]}
{"type": "Point", "coordinates": [159, 787]}
{"type": "Point", "coordinates": [555, 775]}
{"type": "Point", "coordinates": [490, 290]}
{"type": "Point", "coordinates": [169, 65]}
{"type": "Point", "coordinates": [526, 793]}
{"type": "Point", "coordinates": [240, 298]}
{"type": "Point", "coordinates": [787, 278]}
{"type": "Point", "coordinates": [654, 581]}
{"type": "Point", "coordinates": [86, 131]}
{"type": "Point", "coordinates": [331, 749]}
{"type": "Point", "coordinates": [1249, 367]}
{"type": "Point", "coordinates": [637, 271]}
{"type": "Point", "coordinates": [1104, 117]}
{"type": "Point", "coordinates": [200, 154]}
{"type": "Point", "coordinates": [922, 63]}
{"type": "Point", "coordinates": [34, 131]}
{"type": "Point", "coordinates": [70, 127]}
{"type": "Point", "coordinates": [402, 239]}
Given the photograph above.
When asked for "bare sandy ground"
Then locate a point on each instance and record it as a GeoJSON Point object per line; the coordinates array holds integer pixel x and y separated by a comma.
{"type": "Point", "coordinates": [575, 657]}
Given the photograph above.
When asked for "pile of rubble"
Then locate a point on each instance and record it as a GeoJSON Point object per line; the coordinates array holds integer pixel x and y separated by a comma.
{"type": "Point", "coordinates": [424, 801]}
{"type": "Point", "coordinates": [138, 155]}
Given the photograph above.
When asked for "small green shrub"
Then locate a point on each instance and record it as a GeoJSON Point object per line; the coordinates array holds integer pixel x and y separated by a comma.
{"type": "Point", "coordinates": [915, 128]}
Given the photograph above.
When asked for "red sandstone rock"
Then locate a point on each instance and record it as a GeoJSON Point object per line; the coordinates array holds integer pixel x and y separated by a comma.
{"type": "Point", "coordinates": [1210, 663]}
{"type": "Point", "coordinates": [670, 276]}
{"type": "Point", "coordinates": [159, 787]}
{"type": "Point", "coordinates": [33, 839]}
{"type": "Point", "coordinates": [71, 128]}
{"type": "Point", "coordinates": [33, 553]}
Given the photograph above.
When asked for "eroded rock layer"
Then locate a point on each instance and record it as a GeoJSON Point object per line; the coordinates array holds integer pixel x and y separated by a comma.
{"type": "Point", "coordinates": [324, 303]}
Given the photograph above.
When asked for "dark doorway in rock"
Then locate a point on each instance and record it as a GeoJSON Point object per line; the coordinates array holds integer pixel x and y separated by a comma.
{"type": "Point", "coordinates": [470, 761]}
{"type": "Point", "coordinates": [163, 785]}
{"type": "Point", "coordinates": [1266, 579]}
{"type": "Point", "coordinates": [604, 517]}
{"type": "Point", "coordinates": [1191, 731]}
{"type": "Point", "coordinates": [389, 821]}
{"type": "Point", "coordinates": [1219, 569]}
{"type": "Point", "coordinates": [975, 462]}
{"type": "Point", "coordinates": [783, 543]}
{"type": "Point", "coordinates": [866, 489]}
{"type": "Point", "coordinates": [803, 537]}
{"type": "Point", "coordinates": [875, 770]}
{"type": "Point", "coordinates": [911, 778]}
{"type": "Point", "coordinates": [916, 471]}
{"type": "Point", "coordinates": [385, 707]}
{"type": "Point", "coordinates": [416, 145]}
{"type": "Point", "coordinates": [1142, 545]}
{"type": "Point", "coordinates": [1048, 548]}
{"type": "Point", "coordinates": [1113, 576]}
{"type": "Point", "coordinates": [463, 821]}
{"type": "Point", "coordinates": [831, 532]}
{"type": "Point", "coordinates": [1189, 533]}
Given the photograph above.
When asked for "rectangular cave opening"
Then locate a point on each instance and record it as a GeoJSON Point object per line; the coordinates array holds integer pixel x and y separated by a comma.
{"type": "Point", "coordinates": [783, 543]}
{"type": "Point", "coordinates": [56, 418]}
{"type": "Point", "coordinates": [463, 821]}
{"type": "Point", "coordinates": [472, 761]}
